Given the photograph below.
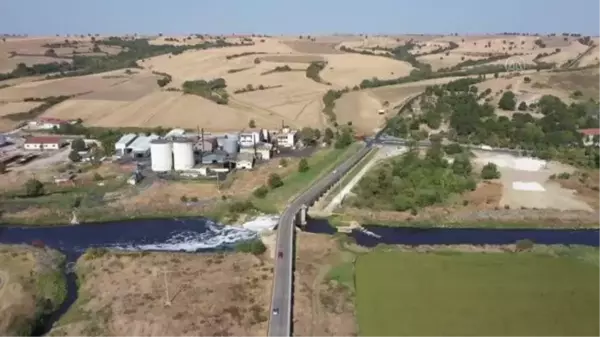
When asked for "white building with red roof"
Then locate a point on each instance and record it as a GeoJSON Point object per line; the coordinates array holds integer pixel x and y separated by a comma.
{"type": "Point", "coordinates": [590, 136]}
{"type": "Point", "coordinates": [43, 143]}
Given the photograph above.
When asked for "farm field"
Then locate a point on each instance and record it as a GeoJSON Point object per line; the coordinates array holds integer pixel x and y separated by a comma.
{"type": "Point", "coordinates": [475, 293]}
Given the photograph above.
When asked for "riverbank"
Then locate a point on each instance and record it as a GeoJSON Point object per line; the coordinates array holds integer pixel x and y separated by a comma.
{"type": "Point", "coordinates": [486, 220]}
{"type": "Point", "coordinates": [32, 286]}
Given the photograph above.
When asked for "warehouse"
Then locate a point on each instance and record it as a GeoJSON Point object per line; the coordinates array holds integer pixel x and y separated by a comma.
{"type": "Point", "coordinates": [260, 151]}
{"type": "Point", "coordinates": [122, 144]}
{"type": "Point", "coordinates": [287, 138]}
{"type": "Point", "coordinates": [140, 147]}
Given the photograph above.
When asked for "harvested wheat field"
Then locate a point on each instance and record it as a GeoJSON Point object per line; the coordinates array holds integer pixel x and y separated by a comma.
{"type": "Point", "coordinates": [441, 60]}
{"type": "Point", "coordinates": [350, 69]}
{"type": "Point", "coordinates": [210, 295]}
{"type": "Point", "coordinates": [10, 108]}
{"type": "Point", "coordinates": [28, 276]}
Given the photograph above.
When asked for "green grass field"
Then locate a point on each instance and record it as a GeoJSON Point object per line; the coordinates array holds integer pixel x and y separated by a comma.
{"type": "Point", "coordinates": [453, 293]}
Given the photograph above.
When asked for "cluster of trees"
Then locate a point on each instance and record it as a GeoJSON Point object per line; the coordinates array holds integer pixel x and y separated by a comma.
{"type": "Point", "coordinates": [213, 89]}
{"type": "Point", "coordinates": [250, 88]}
{"type": "Point", "coordinates": [23, 70]}
{"type": "Point", "coordinates": [233, 56]}
{"type": "Point", "coordinates": [469, 63]}
{"type": "Point", "coordinates": [277, 69]}
{"type": "Point", "coordinates": [329, 102]}
{"type": "Point", "coordinates": [413, 181]}
{"type": "Point", "coordinates": [256, 247]}
{"type": "Point", "coordinates": [273, 182]}
{"type": "Point", "coordinates": [313, 70]}
{"type": "Point", "coordinates": [554, 135]}
{"type": "Point", "coordinates": [162, 82]}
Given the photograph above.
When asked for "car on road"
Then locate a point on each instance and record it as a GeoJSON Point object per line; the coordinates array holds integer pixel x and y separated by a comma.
{"type": "Point", "coordinates": [276, 311]}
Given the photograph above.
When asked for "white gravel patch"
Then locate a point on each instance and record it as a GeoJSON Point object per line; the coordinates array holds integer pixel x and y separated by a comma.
{"type": "Point", "coordinates": [530, 186]}
{"type": "Point", "coordinates": [519, 164]}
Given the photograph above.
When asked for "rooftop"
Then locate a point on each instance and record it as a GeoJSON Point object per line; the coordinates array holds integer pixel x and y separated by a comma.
{"type": "Point", "coordinates": [126, 139]}
{"type": "Point", "coordinates": [245, 156]}
{"type": "Point", "coordinates": [590, 132]}
{"type": "Point", "coordinates": [142, 143]}
{"type": "Point", "coordinates": [44, 140]}
{"type": "Point", "coordinates": [175, 132]}
{"type": "Point", "coordinates": [52, 120]}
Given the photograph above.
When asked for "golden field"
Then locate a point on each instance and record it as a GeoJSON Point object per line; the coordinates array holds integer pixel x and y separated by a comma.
{"type": "Point", "coordinates": [119, 99]}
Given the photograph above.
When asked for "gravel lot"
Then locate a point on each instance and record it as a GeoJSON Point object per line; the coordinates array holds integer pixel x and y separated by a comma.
{"type": "Point", "coordinates": [521, 169]}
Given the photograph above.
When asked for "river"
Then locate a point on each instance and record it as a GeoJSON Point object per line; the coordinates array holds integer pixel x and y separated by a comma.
{"type": "Point", "coordinates": [203, 235]}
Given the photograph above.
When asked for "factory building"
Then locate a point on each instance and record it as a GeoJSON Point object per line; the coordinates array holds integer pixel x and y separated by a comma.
{"type": "Point", "coordinates": [43, 143]}
{"type": "Point", "coordinates": [206, 144]}
{"type": "Point", "coordinates": [122, 144]}
{"type": "Point", "coordinates": [260, 151]}
{"type": "Point", "coordinates": [287, 138]}
{"type": "Point", "coordinates": [254, 136]}
{"type": "Point", "coordinates": [183, 154]}
{"type": "Point", "coordinates": [244, 161]}
{"type": "Point", "coordinates": [47, 123]}
{"type": "Point", "coordinates": [161, 155]}
{"type": "Point", "coordinates": [214, 158]}
{"type": "Point", "coordinates": [140, 147]}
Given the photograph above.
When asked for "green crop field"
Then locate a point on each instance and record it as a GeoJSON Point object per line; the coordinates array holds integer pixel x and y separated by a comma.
{"type": "Point", "coordinates": [453, 293]}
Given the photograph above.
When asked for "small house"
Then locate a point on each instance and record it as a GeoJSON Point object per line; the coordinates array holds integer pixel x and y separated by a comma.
{"type": "Point", "coordinates": [590, 136]}
{"type": "Point", "coordinates": [287, 138]}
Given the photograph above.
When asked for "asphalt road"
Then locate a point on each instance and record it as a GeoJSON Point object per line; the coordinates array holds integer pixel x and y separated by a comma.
{"type": "Point", "coordinates": [280, 324]}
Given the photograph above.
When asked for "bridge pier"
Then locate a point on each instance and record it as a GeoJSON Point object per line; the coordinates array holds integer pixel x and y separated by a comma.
{"type": "Point", "coordinates": [300, 218]}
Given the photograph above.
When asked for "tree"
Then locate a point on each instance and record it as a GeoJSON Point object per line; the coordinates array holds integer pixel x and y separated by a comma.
{"type": "Point", "coordinates": [328, 136]}
{"type": "Point", "coordinates": [527, 79]}
{"type": "Point", "coordinates": [275, 181]}
{"type": "Point", "coordinates": [345, 138]}
{"type": "Point", "coordinates": [462, 165]}
{"type": "Point", "coordinates": [303, 165]}
{"type": "Point", "coordinates": [490, 171]}
{"type": "Point", "coordinates": [522, 106]}
{"type": "Point", "coordinates": [308, 136]}
{"type": "Point", "coordinates": [74, 156]}
{"type": "Point", "coordinates": [34, 188]}
{"type": "Point", "coordinates": [78, 145]}
{"type": "Point", "coordinates": [507, 101]}
{"type": "Point", "coordinates": [252, 124]}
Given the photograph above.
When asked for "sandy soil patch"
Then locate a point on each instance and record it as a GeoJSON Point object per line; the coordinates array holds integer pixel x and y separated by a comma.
{"type": "Point", "coordinates": [369, 42]}
{"type": "Point", "coordinates": [591, 58]}
{"type": "Point", "coordinates": [321, 308]}
{"type": "Point", "coordinates": [23, 283]}
{"type": "Point", "coordinates": [16, 107]}
{"type": "Point", "coordinates": [351, 69]}
{"type": "Point", "coordinates": [586, 185]}
{"type": "Point", "coordinates": [528, 170]}
{"type": "Point", "coordinates": [124, 295]}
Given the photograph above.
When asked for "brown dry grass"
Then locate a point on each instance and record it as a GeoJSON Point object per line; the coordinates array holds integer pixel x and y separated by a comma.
{"type": "Point", "coordinates": [586, 185]}
{"type": "Point", "coordinates": [20, 266]}
{"type": "Point", "coordinates": [210, 295]}
{"type": "Point", "coordinates": [16, 107]}
{"type": "Point", "coordinates": [310, 47]}
{"type": "Point", "coordinates": [321, 308]}
{"type": "Point", "coordinates": [244, 182]}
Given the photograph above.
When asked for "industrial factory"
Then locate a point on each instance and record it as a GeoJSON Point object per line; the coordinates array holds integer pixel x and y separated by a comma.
{"type": "Point", "coordinates": [205, 154]}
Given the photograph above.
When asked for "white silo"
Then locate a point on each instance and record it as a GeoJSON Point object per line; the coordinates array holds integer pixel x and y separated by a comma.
{"type": "Point", "coordinates": [161, 155]}
{"type": "Point", "coordinates": [183, 154]}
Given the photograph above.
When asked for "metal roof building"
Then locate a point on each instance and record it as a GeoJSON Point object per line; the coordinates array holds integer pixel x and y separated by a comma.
{"type": "Point", "coordinates": [214, 158]}
{"type": "Point", "coordinates": [141, 145]}
{"type": "Point", "coordinates": [175, 133]}
{"type": "Point", "coordinates": [123, 142]}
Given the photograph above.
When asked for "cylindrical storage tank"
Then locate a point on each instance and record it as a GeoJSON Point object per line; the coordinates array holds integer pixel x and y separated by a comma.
{"type": "Point", "coordinates": [230, 146]}
{"type": "Point", "coordinates": [183, 154]}
{"type": "Point", "coordinates": [161, 155]}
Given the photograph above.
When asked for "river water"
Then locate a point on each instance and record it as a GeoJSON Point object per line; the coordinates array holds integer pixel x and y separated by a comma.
{"type": "Point", "coordinates": [203, 235]}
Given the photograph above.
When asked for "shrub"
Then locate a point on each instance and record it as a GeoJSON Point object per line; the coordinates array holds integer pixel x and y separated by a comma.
{"type": "Point", "coordinates": [241, 206]}
{"type": "Point", "coordinates": [283, 162]}
{"type": "Point", "coordinates": [303, 165]}
{"type": "Point", "coordinates": [275, 181]}
{"type": "Point", "coordinates": [507, 101]}
{"type": "Point", "coordinates": [523, 245]}
{"type": "Point", "coordinates": [78, 145]}
{"type": "Point", "coordinates": [261, 192]}
{"type": "Point", "coordinates": [184, 198]}
{"type": "Point", "coordinates": [256, 247]}
{"type": "Point", "coordinates": [98, 177]}
{"type": "Point", "coordinates": [564, 175]}
{"type": "Point", "coordinates": [490, 171]}
{"type": "Point", "coordinates": [34, 188]}
{"type": "Point", "coordinates": [194, 199]}
{"type": "Point", "coordinates": [522, 106]}
{"type": "Point", "coordinates": [74, 156]}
